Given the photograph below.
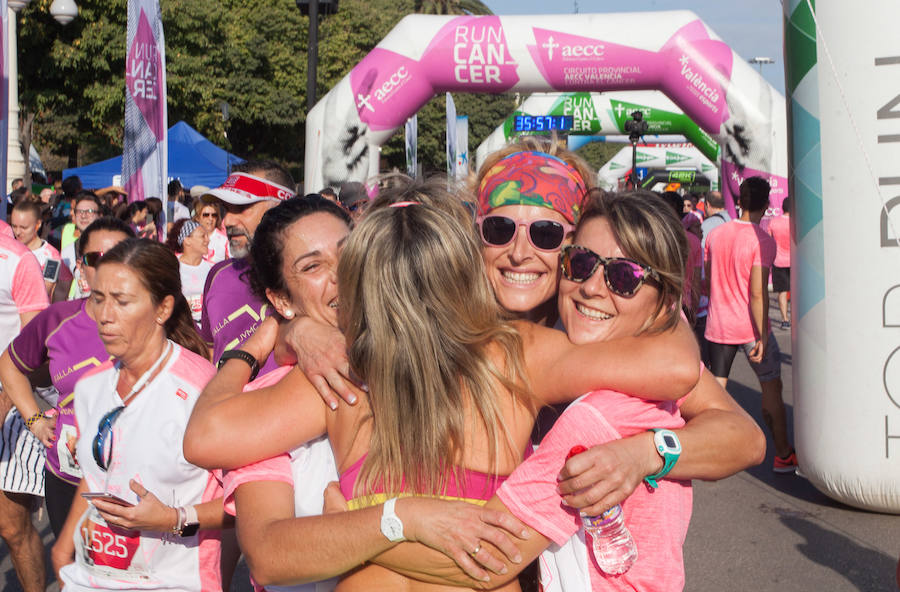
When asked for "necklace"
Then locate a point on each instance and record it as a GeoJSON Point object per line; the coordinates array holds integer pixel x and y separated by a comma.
{"type": "Point", "coordinates": [145, 377]}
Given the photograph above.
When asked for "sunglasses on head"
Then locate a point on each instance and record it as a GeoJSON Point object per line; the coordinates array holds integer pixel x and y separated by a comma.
{"type": "Point", "coordinates": [623, 277]}
{"type": "Point", "coordinates": [544, 235]}
{"type": "Point", "coordinates": [102, 452]}
{"type": "Point", "coordinates": [91, 259]}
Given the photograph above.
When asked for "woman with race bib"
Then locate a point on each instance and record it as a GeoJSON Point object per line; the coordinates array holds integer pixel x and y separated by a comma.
{"type": "Point", "coordinates": [65, 335]}
{"type": "Point", "coordinates": [143, 517]}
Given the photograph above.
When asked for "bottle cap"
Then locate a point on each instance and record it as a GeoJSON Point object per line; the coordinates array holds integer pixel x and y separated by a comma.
{"type": "Point", "coordinates": [575, 450]}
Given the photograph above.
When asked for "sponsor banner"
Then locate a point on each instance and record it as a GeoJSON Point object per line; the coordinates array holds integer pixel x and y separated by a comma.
{"type": "Point", "coordinates": [693, 68]}
{"type": "Point", "coordinates": [144, 152]}
{"type": "Point", "coordinates": [665, 156]}
{"type": "Point", "coordinates": [471, 53]}
{"type": "Point", "coordinates": [388, 88]}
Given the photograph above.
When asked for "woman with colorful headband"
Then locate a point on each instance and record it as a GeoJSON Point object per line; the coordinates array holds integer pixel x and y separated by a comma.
{"type": "Point", "coordinates": [529, 197]}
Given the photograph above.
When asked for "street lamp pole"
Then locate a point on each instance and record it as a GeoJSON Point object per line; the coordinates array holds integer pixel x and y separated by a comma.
{"type": "Point", "coordinates": [312, 55]}
{"type": "Point", "coordinates": [63, 11]}
{"type": "Point", "coordinates": [15, 160]}
{"type": "Point", "coordinates": [311, 8]}
{"type": "Point", "coordinates": [760, 61]}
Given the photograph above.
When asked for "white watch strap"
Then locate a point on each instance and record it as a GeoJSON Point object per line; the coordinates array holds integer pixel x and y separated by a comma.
{"type": "Point", "coordinates": [391, 525]}
{"type": "Point", "coordinates": [190, 515]}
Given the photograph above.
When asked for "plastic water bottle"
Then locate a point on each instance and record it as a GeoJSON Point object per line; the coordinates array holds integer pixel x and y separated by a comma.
{"type": "Point", "coordinates": [614, 549]}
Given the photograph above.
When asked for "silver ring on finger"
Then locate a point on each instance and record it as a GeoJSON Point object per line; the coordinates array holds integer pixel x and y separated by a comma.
{"type": "Point", "coordinates": [477, 549]}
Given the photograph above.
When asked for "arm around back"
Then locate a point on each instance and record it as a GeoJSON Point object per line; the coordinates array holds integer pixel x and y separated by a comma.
{"type": "Point", "coordinates": [660, 366]}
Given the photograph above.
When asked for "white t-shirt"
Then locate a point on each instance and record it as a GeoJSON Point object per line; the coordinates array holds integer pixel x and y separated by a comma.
{"type": "Point", "coordinates": [147, 446]}
{"type": "Point", "coordinates": [193, 278]}
{"type": "Point", "coordinates": [68, 256]}
{"type": "Point", "coordinates": [179, 211]}
{"type": "Point", "coordinates": [218, 246]}
{"type": "Point", "coordinates": [45, 252]}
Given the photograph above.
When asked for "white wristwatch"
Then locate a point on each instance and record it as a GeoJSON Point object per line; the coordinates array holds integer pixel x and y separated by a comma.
{"type": "Point", "coordinates": [391, 525]}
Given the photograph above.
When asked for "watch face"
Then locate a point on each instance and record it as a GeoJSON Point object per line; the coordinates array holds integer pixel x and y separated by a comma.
{"type": "Point", "coordinates": [667, 442]}
{"type": "Point", "coordinates": [392, 528]}
{"type": "Point", "coordinates": [190, 530]}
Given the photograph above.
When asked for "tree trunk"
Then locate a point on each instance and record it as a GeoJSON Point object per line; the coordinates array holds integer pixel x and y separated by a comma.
{"type": "Point", "coordinates": [73, 155]}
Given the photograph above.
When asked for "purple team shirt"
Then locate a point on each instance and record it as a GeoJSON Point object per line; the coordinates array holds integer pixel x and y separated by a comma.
{"type": "Point", "coordinates": [68, 337]}
{"type": "Point", "coordinates": [231, 312]}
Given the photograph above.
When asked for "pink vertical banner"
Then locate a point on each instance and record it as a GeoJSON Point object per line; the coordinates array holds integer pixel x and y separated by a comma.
{"type": "Point", "coordinates": [4, 103]}
{"type": "Point", "coordinates": [145, 153]}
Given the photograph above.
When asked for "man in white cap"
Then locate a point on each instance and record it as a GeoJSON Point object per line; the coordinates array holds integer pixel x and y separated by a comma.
{"type": "Point", "coordinates": [231, 312]}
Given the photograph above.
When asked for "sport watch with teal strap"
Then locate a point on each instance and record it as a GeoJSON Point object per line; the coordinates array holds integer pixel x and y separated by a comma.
{"type": "Point", "coordinates": [669, 448]}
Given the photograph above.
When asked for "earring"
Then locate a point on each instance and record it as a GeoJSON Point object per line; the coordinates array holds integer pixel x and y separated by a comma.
{"type": "Point", "coordinates": [289, 314]}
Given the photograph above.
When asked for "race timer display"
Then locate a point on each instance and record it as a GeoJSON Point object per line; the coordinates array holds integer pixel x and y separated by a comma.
{"type": "Point", "coordinates": [543, 123]}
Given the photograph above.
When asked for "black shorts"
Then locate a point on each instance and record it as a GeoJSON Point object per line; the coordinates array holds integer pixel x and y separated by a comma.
{"type": "Point", "coordinates": [721, 357]}
{"type": "Point", "coordinates": [781, 279]}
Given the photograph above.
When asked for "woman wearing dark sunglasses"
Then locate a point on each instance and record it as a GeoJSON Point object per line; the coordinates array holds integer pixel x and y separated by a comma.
{"type": "Point", "coordinates": [623, 277]}
{"type": "Point", "coordinates": [65, 336]}
{"type": "Point", "coordinates": [143, 517]}
{"type": "Point", "coordinates": [529, 197]}
{"type": "Point", "coordinates": [208, 216]}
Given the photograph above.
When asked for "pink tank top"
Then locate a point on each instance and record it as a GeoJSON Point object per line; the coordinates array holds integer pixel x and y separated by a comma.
{"type": "Point", "coordinates": [477, 487]}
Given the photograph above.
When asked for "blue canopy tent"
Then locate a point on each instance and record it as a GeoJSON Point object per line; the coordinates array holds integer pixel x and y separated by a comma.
{"type": "Point", "coordinates": [193, 160]}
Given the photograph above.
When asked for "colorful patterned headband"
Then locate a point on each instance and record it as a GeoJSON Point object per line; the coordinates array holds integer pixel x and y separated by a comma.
{"type": "Point", "coordinates": [187, 230]}
{"type": "Point", "coordinates": [533, 179]}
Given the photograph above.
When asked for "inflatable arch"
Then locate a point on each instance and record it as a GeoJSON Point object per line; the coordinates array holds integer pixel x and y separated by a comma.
{"type": "Point", "coordinates": [843, 82]}
{"type": "Point", "coordinates": [606, 113]}
{"type": "Point", "coordinates": [683, 156]}
{"type": "Point", "coordinates": [675, 53]}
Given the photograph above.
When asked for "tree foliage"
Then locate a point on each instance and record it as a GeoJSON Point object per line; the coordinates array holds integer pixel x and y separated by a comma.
{"type": "Point", "coordinates": [250, 54]}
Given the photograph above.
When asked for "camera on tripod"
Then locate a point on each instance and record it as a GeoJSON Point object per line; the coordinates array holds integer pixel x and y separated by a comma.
{"type": "Point", "coordinates": [636, 126]}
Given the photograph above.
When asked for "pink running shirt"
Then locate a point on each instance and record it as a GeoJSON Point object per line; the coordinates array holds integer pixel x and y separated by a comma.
{"type": "Point", "coordinates": [21, 287]}
{"type": "Point", "coordinates": [658, 519]}
{"type": "Point", "coordinates": [732, 249]}
{"type": "Point", "coordinates": [780, 229]}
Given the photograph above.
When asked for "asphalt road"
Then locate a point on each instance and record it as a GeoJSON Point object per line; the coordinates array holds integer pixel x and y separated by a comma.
{"type": "Point", "coordinates": [755, 531]}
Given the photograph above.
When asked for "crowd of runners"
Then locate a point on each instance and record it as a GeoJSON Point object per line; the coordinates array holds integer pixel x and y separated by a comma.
{"type": "Point", "coordinates": [378, 386]}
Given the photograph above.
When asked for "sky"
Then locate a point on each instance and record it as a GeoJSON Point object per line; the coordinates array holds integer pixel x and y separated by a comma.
{"type": "Point", "coordinates": [753, 28]}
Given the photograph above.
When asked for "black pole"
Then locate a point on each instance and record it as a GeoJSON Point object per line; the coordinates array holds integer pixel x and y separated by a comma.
{"type": "Point", "coordinates": [312, 54]}
{"type": "Point", "coordinates": [634, 177]}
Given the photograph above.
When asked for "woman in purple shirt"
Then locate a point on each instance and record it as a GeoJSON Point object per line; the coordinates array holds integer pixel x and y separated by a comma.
{"type": "Point", "coordinates": [65, 335]}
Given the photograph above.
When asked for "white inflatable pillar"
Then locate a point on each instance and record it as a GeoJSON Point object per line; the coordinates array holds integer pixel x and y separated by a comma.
{"type": "Point", "coordinates": [843, 80]}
